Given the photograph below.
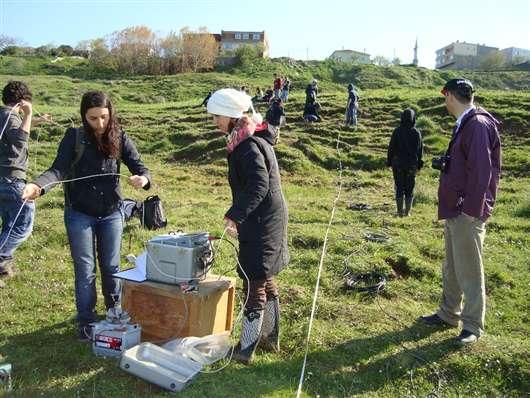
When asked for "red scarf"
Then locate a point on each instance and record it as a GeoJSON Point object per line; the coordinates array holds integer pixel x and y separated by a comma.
{"type": "Point", "coordinates": [243, 129]}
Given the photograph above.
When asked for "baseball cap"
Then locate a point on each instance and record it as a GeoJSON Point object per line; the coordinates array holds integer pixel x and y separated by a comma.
{"type": "Point", "coordinates": [459, 85]}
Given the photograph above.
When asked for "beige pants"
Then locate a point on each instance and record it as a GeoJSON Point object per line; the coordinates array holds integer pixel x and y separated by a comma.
{"type": "Point", "coordinates": [463, 274]}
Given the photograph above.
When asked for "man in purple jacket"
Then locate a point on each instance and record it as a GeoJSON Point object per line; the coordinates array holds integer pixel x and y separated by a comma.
{"type": "Point", "coordinates": [470, 173]}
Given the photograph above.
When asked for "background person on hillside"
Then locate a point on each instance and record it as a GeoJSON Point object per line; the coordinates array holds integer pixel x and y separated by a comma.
{"type": "Point", "coordinates": [278, 83]}
{"type": "Point", "coordinates": [275, 118]}
{"type": "Point", "coordinates": [468, 187]}
{"type": "Point", "coordinates": [205, 100]}
{"type": "Point", "coordinates": [405, 152]}
{"type": "Point", "coordinates": [14, 131]}
{"type": "Point", "coordinates": [311, 110]}
{"type": "Point", "coordinates": [285, 90]}
{"type": "Point", "coordinates": [258, 97]}
{"type": "Point", "coordinates": [352, 106]}
{"type": "Point", "coordinates": [258, 217]}
{"type": "Point", "coordinates": [269, 94]}
{"type": "Point", "coordinates": [93, 212]}
{"type": "Point", "coordinates": [311, 92]}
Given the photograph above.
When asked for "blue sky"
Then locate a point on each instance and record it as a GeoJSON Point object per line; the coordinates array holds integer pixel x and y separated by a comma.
{"type": "Point", "coordinates": [295, 28]}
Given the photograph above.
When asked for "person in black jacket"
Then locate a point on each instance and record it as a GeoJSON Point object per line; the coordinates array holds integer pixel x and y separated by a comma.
{"type": "Point", "coordinates": [93, 212]}
{"type": "Point", "coordinates": [257, 216]}
{"type": "Point", "coordinates": [405, 153]}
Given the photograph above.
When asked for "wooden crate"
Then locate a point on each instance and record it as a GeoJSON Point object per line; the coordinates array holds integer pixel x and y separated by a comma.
{"type": "Point", "coordinates": [165, 312]}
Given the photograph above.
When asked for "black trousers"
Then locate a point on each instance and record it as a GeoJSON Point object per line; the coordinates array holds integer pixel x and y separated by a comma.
{"type": "Point", "coordinates": [405, 179]}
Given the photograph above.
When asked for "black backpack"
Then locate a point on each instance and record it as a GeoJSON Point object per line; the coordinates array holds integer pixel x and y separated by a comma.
{"type": "Point", "coordinates": [151, 213]}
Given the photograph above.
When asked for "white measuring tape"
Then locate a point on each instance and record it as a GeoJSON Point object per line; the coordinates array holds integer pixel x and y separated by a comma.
{"type": "Point", "coordinates": [320, 267]}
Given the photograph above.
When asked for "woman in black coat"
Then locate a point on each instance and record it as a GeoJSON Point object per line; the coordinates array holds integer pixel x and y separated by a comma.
{"type": "Point", "coordinates": [405, 152]}
{"type": "Point", "coordinates": [257, 216]}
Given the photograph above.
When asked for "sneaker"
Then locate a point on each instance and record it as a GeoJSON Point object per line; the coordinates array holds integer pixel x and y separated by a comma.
{"type": "Point", "coordinates": [434, 320]}
{"type": "Point", "coordinates": [466, 338]}
{"type": "Point", "coordinates": [85, 333]}
{"type": "Point", "coordinates": [2, 284]}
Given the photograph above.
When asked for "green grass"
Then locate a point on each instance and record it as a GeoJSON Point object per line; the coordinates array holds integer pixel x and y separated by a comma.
{"type": "Point", "coordinates": [361, 346]}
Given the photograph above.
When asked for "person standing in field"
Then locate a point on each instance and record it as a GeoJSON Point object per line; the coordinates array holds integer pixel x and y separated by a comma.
{"type": "Point", "coordinates": [93, 212]}
{"type": "Point", "coordinates": [257, 217]}
{"type": "Point", "coordinates": [17, 216]}
{"type": "Point", "coordinates": [470, 174]}
{"type": "Point", "coordinates": [404, 156]}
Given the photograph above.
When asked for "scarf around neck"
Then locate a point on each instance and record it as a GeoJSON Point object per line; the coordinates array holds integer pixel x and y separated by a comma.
{"type": "Point", "coordinates": [243, 129]}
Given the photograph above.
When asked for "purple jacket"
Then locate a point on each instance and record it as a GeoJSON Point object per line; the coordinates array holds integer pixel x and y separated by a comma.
{"type": "Point", "coordinates": [470, 183]}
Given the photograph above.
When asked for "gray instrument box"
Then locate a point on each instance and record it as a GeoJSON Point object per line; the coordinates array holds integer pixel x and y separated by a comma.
{"type": "Point", "coordinates": [158, 366]}
{"type": "Point", "coordinates": [178, 258]}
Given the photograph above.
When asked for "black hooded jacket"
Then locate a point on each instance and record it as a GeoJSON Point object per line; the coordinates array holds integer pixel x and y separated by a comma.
{"type": "Point", "coordinates": [258, 207]}
{"type": "Point", "coordinates": [405, 149]}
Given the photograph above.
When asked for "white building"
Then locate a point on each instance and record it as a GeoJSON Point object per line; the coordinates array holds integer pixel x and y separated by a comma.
{"type": "Point", "coordinates": [350, 56]}
{"type": "Point", "coordinates": [519, 54]}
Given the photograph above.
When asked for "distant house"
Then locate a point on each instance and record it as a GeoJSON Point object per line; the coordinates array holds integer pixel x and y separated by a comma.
{"type": "Point", "coordinates": [515, 55]}
{"type": "Point", "coordinates": [462, 55]}
{"type": "Point", "coordinates": [231, 40]}
{"type": "Point", "coordinates": [350, 56]}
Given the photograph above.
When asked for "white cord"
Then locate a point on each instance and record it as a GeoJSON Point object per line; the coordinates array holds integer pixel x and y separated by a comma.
{"type": "Point", "coordinates": [43, 187]}
{"type": "Point", "coordinates": [7, 120]}
{"type": "Point", "coordinates": [241, 311]}
{"type": "Point", "coordinates": [323, 254]}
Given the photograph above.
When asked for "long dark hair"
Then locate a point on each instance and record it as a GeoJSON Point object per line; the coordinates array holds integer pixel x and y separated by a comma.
{"type": "Point", "coordinates": [107, 143]}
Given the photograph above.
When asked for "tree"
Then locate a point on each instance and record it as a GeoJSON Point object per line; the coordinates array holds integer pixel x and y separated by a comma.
{"type": "Point", "coordinates": [246, 54]}
{"type": "Point", "coordinates": [132, 49]}
{"type": "Point", "coordinates": [199, 49]}
{"type": "Point", "coordinates": [380, 60]}
{"type": "Point", "coordinates": [171, 53]}
{"type": "Point", "coordinates": [396, 61]}
{"type": "Point", "coordinates": [65, 50]}
{"type": "Point", "coordinates": [6, 41]}
{"type": "Point", "coordinates": [43, 51]}
{"type": "Point", "coordinates": [492, 61]}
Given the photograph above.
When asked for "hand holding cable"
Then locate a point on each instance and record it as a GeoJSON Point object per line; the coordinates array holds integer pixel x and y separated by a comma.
{"type": "Point", "coordinates": [138, 181]}
{"type": "Point", "coordinates": [31, 192]}
{"type": "Point", "coordinates": [231, 228]}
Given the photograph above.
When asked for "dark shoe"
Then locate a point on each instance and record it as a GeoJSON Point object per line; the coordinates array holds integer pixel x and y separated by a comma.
{"type": "Point", "coordinates": [250, 336]}
{"type": "Point", "coordinates": [408, 206]}
{"type": "Point", "coordinates": [466, 338]}
{"type": "Point", "coordinates": [399, 206]}
{"type": "Point", "coordinates": [434, 320]}
{"type": "Point", "coordinates": [270, 330]}
{"type": "Point", "coordinates": [85, 333]}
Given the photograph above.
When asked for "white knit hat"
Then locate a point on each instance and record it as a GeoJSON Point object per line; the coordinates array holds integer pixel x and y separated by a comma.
{"type": "Point", "coordinates": [231, 103]}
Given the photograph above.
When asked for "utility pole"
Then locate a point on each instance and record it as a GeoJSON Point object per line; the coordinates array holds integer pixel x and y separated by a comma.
{"type": "Point", "coordinates": [307, 53]}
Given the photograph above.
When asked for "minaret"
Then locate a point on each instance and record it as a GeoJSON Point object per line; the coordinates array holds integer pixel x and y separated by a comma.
{"type": "Point", "coordinates": [415, 61]}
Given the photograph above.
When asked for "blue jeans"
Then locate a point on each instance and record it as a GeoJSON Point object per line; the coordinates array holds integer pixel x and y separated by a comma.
{"type": "Point", "coordinates": [89, 236]}
{"type": "Point", "coordinates": [10, 204]}
{"type": "Point", "coordinates": [285, 96]}
{"type": "Point", "coordinates": [276, 93]}
{"type": "Point", "coordinates": [351, 116]}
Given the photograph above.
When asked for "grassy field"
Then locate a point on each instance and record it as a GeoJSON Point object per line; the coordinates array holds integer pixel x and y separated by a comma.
{"type": "Point", "coordinates": [361, 345]}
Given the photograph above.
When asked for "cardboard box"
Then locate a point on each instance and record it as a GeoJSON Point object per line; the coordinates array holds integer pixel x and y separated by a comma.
{"type": "Point", "coordinates": [165, 312]}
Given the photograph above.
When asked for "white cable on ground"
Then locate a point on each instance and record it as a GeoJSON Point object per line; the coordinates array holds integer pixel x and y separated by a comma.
{"type": "Point", "coordinates": [323, 254]}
